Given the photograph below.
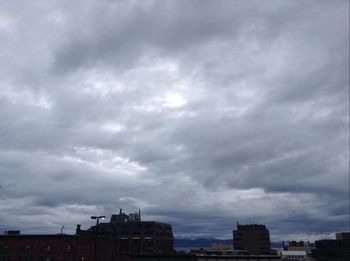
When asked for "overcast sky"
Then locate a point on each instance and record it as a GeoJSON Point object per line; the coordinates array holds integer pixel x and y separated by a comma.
{"type": "Point", "coordinates": [201, 113]}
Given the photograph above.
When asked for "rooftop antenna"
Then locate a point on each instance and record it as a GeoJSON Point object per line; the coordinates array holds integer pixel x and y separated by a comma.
{"type": "Point", "coordinates": [62, 229]}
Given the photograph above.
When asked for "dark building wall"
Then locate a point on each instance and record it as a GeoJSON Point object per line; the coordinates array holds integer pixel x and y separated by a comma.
{"type": "Point", "coordinates": [199, 258]}
{"type": "Point", "coordinates": [253, 238]}
{"type": "Point", "coordinates": [332, 250]}
{"type": "Point", "coordinates": [38, 247]}
{"type": "Point", "coordinates": [139, 237]}
{"type": "Point", "coordinates": [136, 238]}
{"type": "Point", "coordinates": [343, 236]}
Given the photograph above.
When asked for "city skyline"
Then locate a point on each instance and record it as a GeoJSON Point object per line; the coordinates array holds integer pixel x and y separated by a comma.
{"type": "Point", "coordinates": [200, 114]}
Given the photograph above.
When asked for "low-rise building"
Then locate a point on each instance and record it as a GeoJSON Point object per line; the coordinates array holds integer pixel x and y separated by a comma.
{"type": "Point", "coordinates": [39, 247]}
{"type": "Point", "coordinates": [299, 246]}
{"type": "Point", "coordinates": [294, 255]}
{"type": "Point", "coordinates": [218, 249]}
{"type": "Point", "coordinates": [107, 241]}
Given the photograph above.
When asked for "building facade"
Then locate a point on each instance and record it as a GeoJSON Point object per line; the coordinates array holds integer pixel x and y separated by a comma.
{"type": "Point", "coordinates": [333, 249]}
{"type": "Point", "coordinates": [252, 238]}
{"type": "Point", "coordinates": [108, 241]}
{"type": "Point", "coordinates": [299, 246]}
{"type": "Point", "coordinates": [294, 255]}
{"type": "Point", "coordinates": [38, 247]}
{"type": "Point", "coordinates": [136, 236]}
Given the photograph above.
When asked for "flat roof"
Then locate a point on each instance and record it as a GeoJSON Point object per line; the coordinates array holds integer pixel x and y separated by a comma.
{"type": "Point", "coordinates": [294, 252]}
{"type": "Point", "coordinates": [38, 236]}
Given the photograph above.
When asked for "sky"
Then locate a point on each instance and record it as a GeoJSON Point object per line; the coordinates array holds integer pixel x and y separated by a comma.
{"type": "Point", "coordinates": [200, 113]}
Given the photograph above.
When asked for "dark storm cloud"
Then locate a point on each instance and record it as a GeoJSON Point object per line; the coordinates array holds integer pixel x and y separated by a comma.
{"type": "Point", "coordinates": [236, 111]}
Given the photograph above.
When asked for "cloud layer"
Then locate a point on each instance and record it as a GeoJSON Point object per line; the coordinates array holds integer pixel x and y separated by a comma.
{"type": "Point", "coordinates": [201, 114]}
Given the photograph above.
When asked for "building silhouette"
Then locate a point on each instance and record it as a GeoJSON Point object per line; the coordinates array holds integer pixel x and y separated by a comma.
{"type": "Point", "coordinates": [252, 238]}
{"type": "Point", "coordinates": [136, 236]}
{"type": "Point", "coordinates": [123, 235]}
{"type": "Point", "coordinates": [333, 249]}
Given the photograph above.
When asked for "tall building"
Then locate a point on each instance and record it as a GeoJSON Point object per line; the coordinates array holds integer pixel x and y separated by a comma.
{"type": "Point", "coordinates": [252, 238]}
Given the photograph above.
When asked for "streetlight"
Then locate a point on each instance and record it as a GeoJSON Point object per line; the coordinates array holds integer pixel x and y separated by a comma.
{"type": "Point", "coordinates": [96, 230]}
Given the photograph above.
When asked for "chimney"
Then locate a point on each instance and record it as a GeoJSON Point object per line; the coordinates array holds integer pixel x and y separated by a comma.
{"type": "Point", "coordinates": [78, 228]}
{"type": "Point", "coordinates": [121, 211]}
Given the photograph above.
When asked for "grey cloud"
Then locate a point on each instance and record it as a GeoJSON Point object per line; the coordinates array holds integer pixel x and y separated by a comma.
{"type": "Point", "coordinates": [160, 28]}
{"type": "Point", "coordinates": [191, 111]}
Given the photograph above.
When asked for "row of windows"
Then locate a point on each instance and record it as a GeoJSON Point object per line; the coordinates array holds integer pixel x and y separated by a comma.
{"type": "Point", "coordinates": [147, 232]}
{"type": "Point", "coordinates": [27, 249]}
{"type": "Point", "coordinates": [30, 258]}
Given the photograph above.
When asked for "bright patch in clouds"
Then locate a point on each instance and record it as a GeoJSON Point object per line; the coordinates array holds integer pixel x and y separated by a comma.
{"type": "Point", "coordinates": [112, 127]}
{"type": "Point", "coordinates": [174, 100]}
{"type": "Point", "coordinates": [6, 24]}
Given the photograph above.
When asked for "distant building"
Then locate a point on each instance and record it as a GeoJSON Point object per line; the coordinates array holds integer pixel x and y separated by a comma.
{"type": "Point", "coordinates": [342, 236]}
{"type": "Point", "coordinates": [294, 255]}
{"type": "Point", "coordinates": [110, 241]}
{"type": "Point", "coordinates": [252, 238]}
{"type": "Point", "coordinates": [333, 249]}
{"type": "Point", "coordinates": [299, 246]}
{"type": "Point", "coordinates": [217, 249]}
{"type": "Point", "coordinates": [221, 246]}
{"type": "Point", "coordinates": [224, 252]}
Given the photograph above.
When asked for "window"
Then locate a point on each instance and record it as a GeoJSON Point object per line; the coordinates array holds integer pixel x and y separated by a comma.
{"type": "Point", "coordinates": [48, 249]}
{"type": "Point", "coordinates": [69, 248]}
{"type": "Point", "coordinates": [25, 253]}
{"type": "Point", "coordinates": [48, 253]}
{"type": "Point", "coordinates": [4, 252]}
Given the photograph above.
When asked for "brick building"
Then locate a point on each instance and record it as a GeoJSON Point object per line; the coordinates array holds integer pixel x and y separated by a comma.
{"type": "Point", "coordinates": [37, 247]}
{"type": "Point", "coordinates": [136, 236]}
{"type": "Point", "coordinates": [108, 241]}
